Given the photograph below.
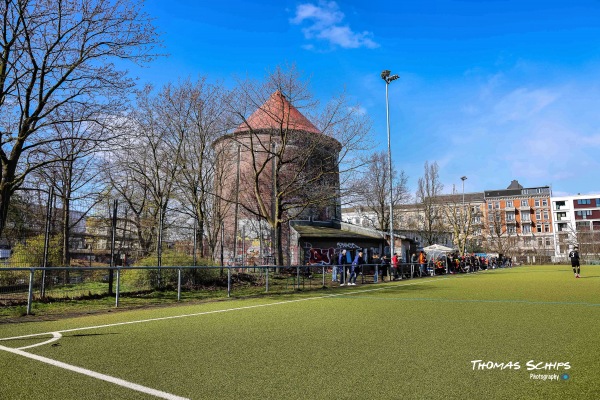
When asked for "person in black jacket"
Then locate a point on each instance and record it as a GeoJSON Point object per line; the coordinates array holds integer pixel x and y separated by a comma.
{"type": "Point", "coordinates": [574, 256]}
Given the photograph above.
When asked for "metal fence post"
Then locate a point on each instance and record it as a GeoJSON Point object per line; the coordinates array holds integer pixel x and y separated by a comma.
{"type": "Point", "coordinates": [179, 284]}
{"type": "Point", "coordinates": [47, 238]}
{"type": "Point", "coordinates": [30, 294]}
{"type": "Point", "coordinates": [229, 281]}
{"type": "Point", "coordinates": [267, 277]}
{"type": "Point", "coordinates": [118, 289]}
{"type": "Point", "coordinates": [298, 277]}
{"type": "Point", "coordinates": [323, 276]}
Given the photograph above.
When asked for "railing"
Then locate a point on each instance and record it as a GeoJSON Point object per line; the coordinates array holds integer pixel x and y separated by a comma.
{"type": "Point", "coordinates": [141, 285]}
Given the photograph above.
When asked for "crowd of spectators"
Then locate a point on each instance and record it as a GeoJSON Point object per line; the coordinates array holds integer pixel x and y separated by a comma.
{"type": "Point", "coordinates": [420, 265]}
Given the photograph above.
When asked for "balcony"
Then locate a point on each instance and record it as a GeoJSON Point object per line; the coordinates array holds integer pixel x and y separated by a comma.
{"type": "Point", "coordinates": [525, 207]}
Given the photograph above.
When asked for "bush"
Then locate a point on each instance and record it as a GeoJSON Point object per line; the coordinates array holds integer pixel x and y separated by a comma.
{"type": "Point", "coordinates": [31, 252]}
{"type": "Point", "coordinates": [168, 276]}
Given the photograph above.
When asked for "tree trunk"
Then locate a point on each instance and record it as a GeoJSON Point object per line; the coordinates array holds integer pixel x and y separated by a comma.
{"type": "Point", "coordinates": [6, 190]}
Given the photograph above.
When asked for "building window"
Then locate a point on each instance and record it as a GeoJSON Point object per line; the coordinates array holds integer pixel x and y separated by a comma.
{"type": "Point", "coordinates": [526, 229]}
{"type": "Point", "coordinates": [546, 227]}
{"type": "Point", "coordinates": [526, 217]}
{"type": "Point", "coordinates": [545, 215]}
{"type": "Point", "coordinates": [524, 203]}
{"type": "Point", "coordinates": [540, 241]}
{"type": "Point", "coordinates": [548, 242]}
{"type": "Point", "coordinates": [489, 206]}
{"type": "Point", "coordinates": [538, 215]}
{"type": "Point", "coordinates": [526, 241]}
{"type": "Point", "coordinates": [544, 202]}
{"type": "Point", "coordinates": [584, 213]}
{"type": "Point", "coordinates": [559, 204]}
{"type": "Point", "coordinates": [476, 220]}
{"type": "Point", "coordinates": [538, 227]}
{"type": "Point", "coordinates": [509, 203]}
{"type": "Point", "coordinates": [537, 202]}
{"type": "Point", "coordinates": [510, 216]}
{"type": "Point", "coordinates": [597, 202]}
{"type": "Point", "coordinates": [510, 229]}
{"type": "Point", "coordinates": [497, 205]}
{"type": "Point", "coordinates": [584, 201]}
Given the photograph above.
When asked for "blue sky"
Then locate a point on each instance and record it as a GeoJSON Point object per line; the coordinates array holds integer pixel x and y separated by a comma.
{"type": "Point", "coordinates": [494, 90]}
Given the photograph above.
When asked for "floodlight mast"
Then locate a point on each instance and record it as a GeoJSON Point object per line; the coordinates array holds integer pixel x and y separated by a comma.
{"type": "Point", "coordinates": [385, 75]}
{"type": "Point", "coordinates": [464, 222]}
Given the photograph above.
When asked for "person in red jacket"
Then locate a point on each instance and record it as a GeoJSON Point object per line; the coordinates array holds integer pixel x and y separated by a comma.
{"type": "Point", "coordinates": [395, 266]}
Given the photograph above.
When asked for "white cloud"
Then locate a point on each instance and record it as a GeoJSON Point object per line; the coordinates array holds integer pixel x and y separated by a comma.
{"type": "Point", "coordinates": [522, 104]}
{"type": "Point", "coordinates": [325, 22]}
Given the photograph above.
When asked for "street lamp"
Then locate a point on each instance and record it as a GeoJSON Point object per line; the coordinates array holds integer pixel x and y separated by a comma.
{"type": "Point", "coordinates": [385, 75]}
{"type": "Point", "coordinates": [463, 179]}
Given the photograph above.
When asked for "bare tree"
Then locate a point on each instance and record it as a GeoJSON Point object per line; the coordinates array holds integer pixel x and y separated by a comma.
{"type": "Point", "coordinates": [75, 173]}
{"type": "Point", "coordinates": [198, 111]}
{"type": "Point", "coordinates": [499, 238]}
{"type": "Point", "coordinates": [430, 225]}
{"type": "Point", "coordinates": [460, 219]}
{"type": "Point", "coordinates": [143, 170]}
{"type": "Point", "coordinates": [293, 169]}
{"type": "Point", "coordinates": [372, 190]}
{"type": "Point", "coordinates": [59, 53]}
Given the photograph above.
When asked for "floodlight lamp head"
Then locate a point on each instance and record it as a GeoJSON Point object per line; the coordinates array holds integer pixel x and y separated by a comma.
{"type": "Point", "coordinates": [463, 178]}
{"type": "Point", "coordinates": [384, 74]}
{"type": "Point", "coordinates": [393, 78]}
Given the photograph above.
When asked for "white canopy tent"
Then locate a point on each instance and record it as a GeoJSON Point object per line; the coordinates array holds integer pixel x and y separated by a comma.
{"type": "Point", "coordinates": [437, 249]}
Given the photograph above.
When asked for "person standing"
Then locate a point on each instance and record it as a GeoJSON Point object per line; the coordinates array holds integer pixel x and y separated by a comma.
{"type": "Point", "coordinates": [423, 263]}
{"type": "Point", "coordinates": [358, 261]}
{"type": "Point", "coordinates": [413, 263]}
{"type": "Point", "coordinates": [574, 256]}
{"type": "Point", "coordinates": [385, 265]}
{"type": "Point", "coordinates": [340, 268]}
{"type": "Point", "coordinates": [395, 266]}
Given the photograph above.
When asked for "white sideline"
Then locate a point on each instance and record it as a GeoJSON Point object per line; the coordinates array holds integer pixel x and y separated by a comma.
{"type": "Point", "coordinates": [56, 335]}
{"type": "Point", "coordinates": [107, 378]}
{"type": "Point", "coordinates": [345, 293]}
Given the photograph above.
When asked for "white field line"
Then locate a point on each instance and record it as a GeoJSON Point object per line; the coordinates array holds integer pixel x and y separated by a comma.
{"type": "Point", "coordinates": [345, 293]}
{"type": "Point", "coordinates": [97, 375]}
{"type": "Point", "coordinates": [56, 335]}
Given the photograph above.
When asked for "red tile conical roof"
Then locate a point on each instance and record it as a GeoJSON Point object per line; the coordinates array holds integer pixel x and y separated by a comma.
{"type": "Point", "coordinates": [277, 112]}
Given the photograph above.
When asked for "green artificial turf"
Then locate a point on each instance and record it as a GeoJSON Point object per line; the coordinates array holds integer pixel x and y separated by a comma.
{"type": "Point", "coordinates": [412, 339]}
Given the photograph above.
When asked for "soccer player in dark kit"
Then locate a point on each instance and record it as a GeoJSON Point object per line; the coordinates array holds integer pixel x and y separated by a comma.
{"type": "Point", "coordinates": [574, 256]}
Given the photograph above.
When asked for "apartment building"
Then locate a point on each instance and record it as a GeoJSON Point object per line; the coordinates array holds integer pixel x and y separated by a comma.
{"type": "Point", "coordinates": [519, 220]}
{"type": "Point", "coordinates": [576, 220]}
{"type": "Point", "coordinates": [515, 221]}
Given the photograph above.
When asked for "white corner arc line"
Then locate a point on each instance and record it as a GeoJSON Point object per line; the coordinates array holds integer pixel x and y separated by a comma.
{"type": "Point", "coordinates": [97, 375]}
{"type": "Point", "coordinates": [55, 337]}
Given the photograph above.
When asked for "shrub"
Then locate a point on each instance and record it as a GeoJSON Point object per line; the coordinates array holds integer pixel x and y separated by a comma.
{"type": "Point", "coordinates": [31, 252]}
{"type": "Point", "coordinates": [168, 276]}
